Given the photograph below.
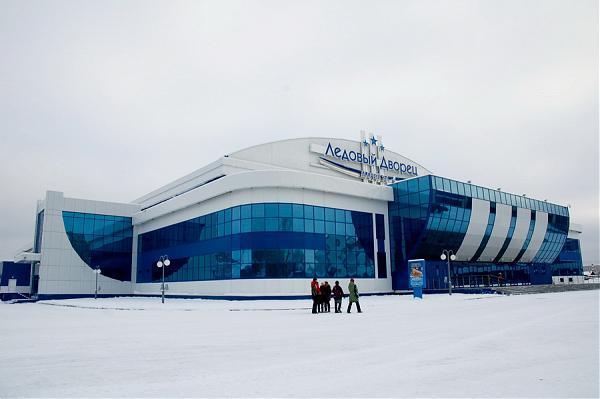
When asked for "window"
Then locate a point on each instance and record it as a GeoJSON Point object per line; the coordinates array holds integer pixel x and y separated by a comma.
{"type": "Point", "coordinates": [246, 212]}
{"type": "Point", "coordinates": [258, 210]}
{"type": "Point", "coordinates": [262, 240]}
{"type": "Point", "coordinates": [271, 210]}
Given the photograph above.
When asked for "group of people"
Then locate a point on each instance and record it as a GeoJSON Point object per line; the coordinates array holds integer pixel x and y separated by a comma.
{"type": "Point", "coordinates": [322, 293]}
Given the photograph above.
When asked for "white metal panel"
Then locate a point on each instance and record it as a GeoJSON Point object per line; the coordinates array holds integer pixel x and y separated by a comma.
{"type": "Point", "coordinates": [480, 212]}
{"type": "Point", "coordinates": [28, 257]}
{"type": "Point", "coordinates": [183, 184]}
{"type": "Point", "coordinates": [575, 229]}
{"type": "Point", "coordinates": [268, 194]}
{"type": "Point", "coordinates": [257, 287]}
{"type": "Point", "coordinates": [276, 179]}
{"type": "Point", "coordinates": [499, 233]}
{"type": "Point", "coordinates": [537, 238]}
{"type": "Point", "coordinates": [21, 289]}
{"type": "Point", "coordinates": [12, 285]}
{"type": "Point", "coordinates": [302, 154]}
{"type": "Point", "coordinates": [519, 235]}
{"type": "Point", "coordinates": [62, 271]}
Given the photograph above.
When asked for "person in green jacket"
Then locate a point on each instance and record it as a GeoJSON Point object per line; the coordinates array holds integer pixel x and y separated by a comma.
{"type": "Point", "coordinates": [353, 296]}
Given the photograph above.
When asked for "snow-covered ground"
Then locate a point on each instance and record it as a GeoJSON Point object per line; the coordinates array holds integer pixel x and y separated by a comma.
{"type": "Point", "coordinates": [542, 345]}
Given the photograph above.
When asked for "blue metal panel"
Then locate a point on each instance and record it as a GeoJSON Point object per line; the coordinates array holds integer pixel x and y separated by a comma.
{"type": "Point", "coordinates": [19, 271]}
{"type": "Point", "coordinates": [541, 273]}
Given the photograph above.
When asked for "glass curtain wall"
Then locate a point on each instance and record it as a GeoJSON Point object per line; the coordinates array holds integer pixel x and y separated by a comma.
{"type": "Point", "coordinates": [264, 240]}
{"type": "Point", "coordinates": [569, 262]}
{"type": "Point", "coordinates": [431, 213]}
{"type": "Point", "coordinates": [102, 241]}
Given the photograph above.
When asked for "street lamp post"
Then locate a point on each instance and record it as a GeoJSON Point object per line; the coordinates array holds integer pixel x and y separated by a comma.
{"type": "Point", "coordinates": [163, 262]}
{"type": "Point", "coordinates": [448, 255]}
{"type": "Point", "coordinates": [97, 272]}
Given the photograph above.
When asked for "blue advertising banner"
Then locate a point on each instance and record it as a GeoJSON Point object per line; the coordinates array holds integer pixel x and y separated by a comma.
{"type": "Point", "coordinates": [416, 272]}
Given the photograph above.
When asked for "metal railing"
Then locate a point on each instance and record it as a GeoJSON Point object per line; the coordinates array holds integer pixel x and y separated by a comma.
{"type": "Point", "coordinates": [23, 295]}
{"type": "Point", "coordinates": [474, 280]}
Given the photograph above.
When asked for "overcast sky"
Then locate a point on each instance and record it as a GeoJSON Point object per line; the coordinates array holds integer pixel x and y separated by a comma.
{"type": "Point", "coordinates": [109, 100]}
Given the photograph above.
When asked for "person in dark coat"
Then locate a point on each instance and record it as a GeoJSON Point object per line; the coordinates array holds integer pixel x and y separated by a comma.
{"type": "Point", "coordinates": [315, 293]}
{"type": "Point", "coordinates": [353, 296]}
{"type": "Point", "coordinates": [338, 294]}
{"type": "Point", "coordinates": [326, 295]}
{"type": "Point", "coordinates": [322, 298]}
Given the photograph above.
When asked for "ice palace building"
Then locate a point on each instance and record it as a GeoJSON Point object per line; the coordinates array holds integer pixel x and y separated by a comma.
{"type": "Point", "coordinates": [263, 221]}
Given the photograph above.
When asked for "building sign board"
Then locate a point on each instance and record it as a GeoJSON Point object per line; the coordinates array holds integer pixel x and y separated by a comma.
{"type": "Point", "coordinates": [367, 160]}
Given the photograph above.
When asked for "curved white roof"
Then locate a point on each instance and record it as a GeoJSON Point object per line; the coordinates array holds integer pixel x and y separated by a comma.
{"type": "Point", "coordinates": [348, 159]}
{"type": "Point", "coordinates": [297, 154]}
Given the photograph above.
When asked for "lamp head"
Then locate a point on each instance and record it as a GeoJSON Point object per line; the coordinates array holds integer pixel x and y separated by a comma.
{"type": "Point", "coordinates": [159, 264]}
{"type": "Point", "coordinates": [443, 257]}
{"type": "Point", "coordinates": [167, 262]}
{"type": "Point", "coordinates": [452, 257]}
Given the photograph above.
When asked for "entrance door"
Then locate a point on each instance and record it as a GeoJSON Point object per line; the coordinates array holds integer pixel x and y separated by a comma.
{"type": "Point", "coordinates": [12, 285]}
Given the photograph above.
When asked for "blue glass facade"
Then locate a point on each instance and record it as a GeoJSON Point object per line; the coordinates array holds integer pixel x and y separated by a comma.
{"type": "Point", "coordinates": [381, 253]}
{"type": "Point", "coordinates": [470, 274]}
{"type": "Point", "coordinates": [264, 240]}
{"type": "Point", "coordinates": [39, 224]}
{"type": "Point", "coordinates": [430, 214]}
{"type": "Point", "coordinates": [291, 240]}
{"type": "Point", "coordinates": [556, 235]}
{"type": "Point", "coordinates": [569, 262]}
{"type": "Point", "coordinates": [102, 240]}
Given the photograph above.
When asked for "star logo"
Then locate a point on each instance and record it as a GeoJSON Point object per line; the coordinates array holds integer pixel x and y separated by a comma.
{"type": "Point", "coordinates": [373, 140]}
{"type": "Point", "coordinates": [381, 147]}
{"type": "Point", "coordinates": [365, 142]}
